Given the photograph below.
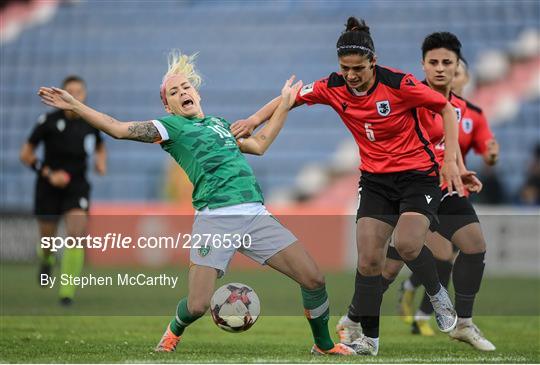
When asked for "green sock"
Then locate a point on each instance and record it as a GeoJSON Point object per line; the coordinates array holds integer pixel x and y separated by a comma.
{"type": "Point", "coordinates": [183, 318]}
{"type": "Point", "coordinates": [317, 312]}
{"type": "Point", "coordinates": [48, 259]}
{"type": "Point", "coordinates": [72, 264]}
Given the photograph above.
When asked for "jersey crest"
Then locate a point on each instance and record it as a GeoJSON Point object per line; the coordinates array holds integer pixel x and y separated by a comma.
{"type": "Point", "coordinates": [467, 125]}
{"type": "Point", "coordinates": [383, 108]}
{"type": "Point", "coordinates": [61, 125]}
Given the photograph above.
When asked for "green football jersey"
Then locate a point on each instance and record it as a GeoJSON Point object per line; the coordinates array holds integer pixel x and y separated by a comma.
{"type": "Point", "coordinates": [207, 151]}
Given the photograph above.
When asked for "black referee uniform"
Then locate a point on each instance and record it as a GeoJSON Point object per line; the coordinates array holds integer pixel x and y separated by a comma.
{"type": "Point", "coordinates": [67, 142]}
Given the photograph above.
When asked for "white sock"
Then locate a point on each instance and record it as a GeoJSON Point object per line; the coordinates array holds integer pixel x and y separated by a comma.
{"type": "Point", "coordinates": [407, 285]}
{"type": "Point", "coordinates": [421, 316]}
{"type": "Point", "coordinates": [464, 321]}
{"type": "Point", "coordinates": [376, 342]}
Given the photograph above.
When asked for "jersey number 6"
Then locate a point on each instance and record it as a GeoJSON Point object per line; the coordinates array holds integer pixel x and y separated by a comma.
{"type": "Point", "coordinates": [369, 132]}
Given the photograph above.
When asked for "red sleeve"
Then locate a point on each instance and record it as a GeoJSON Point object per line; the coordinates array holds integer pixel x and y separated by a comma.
{"type": "Point", "coordinates": [314, 93]}
{"type": "Point", "coordinates": [481, 133]}
{"type": "Point", "coordinates": [418, 94]}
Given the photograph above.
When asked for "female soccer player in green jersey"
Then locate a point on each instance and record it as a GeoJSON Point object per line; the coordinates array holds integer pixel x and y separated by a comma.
{"type": "Point", "coordinates": [226, 196]}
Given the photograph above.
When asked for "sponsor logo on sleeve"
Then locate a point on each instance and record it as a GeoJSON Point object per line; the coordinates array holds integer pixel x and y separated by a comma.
{"type": "Point", "coordinates": [458, 113]}
{"type": "Point", "coordinates": [307, 89]}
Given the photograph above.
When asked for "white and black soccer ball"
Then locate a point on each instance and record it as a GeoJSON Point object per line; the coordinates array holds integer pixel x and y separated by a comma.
{"type": "Point", "coordinates": [235, 307]}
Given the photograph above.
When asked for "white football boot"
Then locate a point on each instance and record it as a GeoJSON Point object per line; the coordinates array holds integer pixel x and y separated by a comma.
{"type": "Point", "coordinates": [347, 330]}
{"type": "Point", "coordinates": [468, 332]}
{"type": "Point", "coordinates": [365, 346]}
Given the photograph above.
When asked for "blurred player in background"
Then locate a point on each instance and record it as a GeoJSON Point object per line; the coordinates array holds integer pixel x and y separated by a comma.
{"type": "Point", "coordinates": [400, 175]}
{"type": "Point", "coordinates": [226, 196]}
{"type": "Point", "coordinates": [474, 122]}
{"type": "Point", "coordinates": [459, 224]}
{"type": "Point", "coordinates": [62, 189]}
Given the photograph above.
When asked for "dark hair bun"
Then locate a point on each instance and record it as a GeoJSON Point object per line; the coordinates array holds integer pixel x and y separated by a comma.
{"type": "Point", "coordinates": [355, 25]}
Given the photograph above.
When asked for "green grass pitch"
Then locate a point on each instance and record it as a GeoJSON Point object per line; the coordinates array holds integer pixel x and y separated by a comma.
{"type": "Point", "coordinates": [124, 324]}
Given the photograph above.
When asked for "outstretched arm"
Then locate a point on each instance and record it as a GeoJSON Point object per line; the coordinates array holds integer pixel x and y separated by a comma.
{"type": "Point", "coordinates": [245, 127]}
{"type": "Point", "coordinates": [259, 143]}
{"type": "Point", "coordinates": [136, 131]}
{"type": "Point", "coordinates": [450, 173]}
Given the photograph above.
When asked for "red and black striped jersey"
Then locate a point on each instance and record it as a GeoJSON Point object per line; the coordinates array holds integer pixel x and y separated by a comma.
{"type": "Point", "coordinates": [384, 121]}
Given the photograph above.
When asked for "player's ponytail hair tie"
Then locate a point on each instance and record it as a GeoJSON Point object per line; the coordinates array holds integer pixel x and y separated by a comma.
{"type": "Point", "coordinates": [356, 39]}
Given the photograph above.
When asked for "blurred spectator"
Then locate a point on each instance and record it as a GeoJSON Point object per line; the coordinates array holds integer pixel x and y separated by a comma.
{"type": "Point", "coordinates": [530, 192]}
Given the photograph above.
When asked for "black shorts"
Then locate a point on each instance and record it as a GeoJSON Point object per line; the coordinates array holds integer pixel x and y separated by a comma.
{"type": "Point", "coordinates": [51, 202]}
{"type": "Point", "coordinates": [455, 212]}
{"type": "Point", "coordinates": [386, 196]}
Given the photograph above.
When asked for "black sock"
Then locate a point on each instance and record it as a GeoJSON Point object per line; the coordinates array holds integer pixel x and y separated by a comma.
{"type": "Point", "coordinates": [467, 277]}
{"type": "Point", "coordinates": [385, 283]}
{"type": "Point", "coordinates": [415, 280]}
{"type": "Point", "coordinates": [366, 303]}
{"type": "Point", "coordinates": [444, 268]}
{"type": "Point", "coordinates": [424, 266]}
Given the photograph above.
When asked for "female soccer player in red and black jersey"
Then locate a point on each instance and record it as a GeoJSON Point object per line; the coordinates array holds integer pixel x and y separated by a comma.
{"type": "Point", "coordinates": [474, 132]}
{"type": "Point", "coordinates": [459, 223]}
{"type": "Point", "coordinates": [400, 184]}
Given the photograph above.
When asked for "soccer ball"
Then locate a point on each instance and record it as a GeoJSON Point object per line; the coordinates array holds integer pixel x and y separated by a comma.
{"type": "Point", "coordinates": [235, 307]}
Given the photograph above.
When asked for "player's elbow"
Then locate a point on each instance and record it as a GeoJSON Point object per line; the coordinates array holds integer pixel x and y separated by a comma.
{"type": "Point", "coordinates": [118, 133]}
{"type": "Point", "coordinates": [259, 151]}
{"type": "Point", "coordinates": [26, 155]}
{"type": "Point", "coordinates": [253, 148]}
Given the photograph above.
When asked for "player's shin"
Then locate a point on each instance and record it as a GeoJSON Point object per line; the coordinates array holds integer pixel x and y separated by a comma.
{"type": "Point", "coordinates": [71, 264]}
{"type": "Point", "coordinates": [366, 303]}
{"type": "Point", "coordinates": [467, 277]}
{"type": "Point", "coordinates": [444, 269]}
{"type": "Point", "coordinates": [424, 266]}
{"type": "Point", "coordinates": [385, 284]}
{"type": "Point", "coordinates": [183, 318]}
{"type": "Point", "coordinates": [317, 311]}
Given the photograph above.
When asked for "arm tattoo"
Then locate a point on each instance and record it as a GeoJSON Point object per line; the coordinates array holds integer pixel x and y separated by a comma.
{"type": "Point", "coordinates": [144, 132]}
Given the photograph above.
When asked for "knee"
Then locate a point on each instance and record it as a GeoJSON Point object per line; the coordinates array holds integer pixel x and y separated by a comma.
{"type": "Point", "coordinates": [409, 244]}
{"type": "Point", "coordinates": [475, 247]}
{"type": "Point", "coordinates": [198, 307]}
{"type": "Point", "coordinates": [391, 270]}
{"type": "Point", "coordinates": [446, 254]}
{"type": "Point", "coordinates": [370, 265]}
{"type": "Point", "coordinates": [313, 281]}
{"type": "Point", "coordinates": [408, 251]}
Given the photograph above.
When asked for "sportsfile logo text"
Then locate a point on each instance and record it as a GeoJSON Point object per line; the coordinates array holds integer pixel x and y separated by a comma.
{"type": "Point", "coordinates": [118, 240]}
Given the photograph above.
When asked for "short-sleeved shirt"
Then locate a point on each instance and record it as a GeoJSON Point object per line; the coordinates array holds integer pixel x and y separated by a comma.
{"type": "Point", "coordinates": [433, 123]}
{"type": "Point", "coordinates": [208, 152]}
{"type": "Point", "coordinates": [384, 121]}
{"type": "Point", "coordinates": [474, 132]}
{"type": "Point", "coordinates": [68, 142]}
